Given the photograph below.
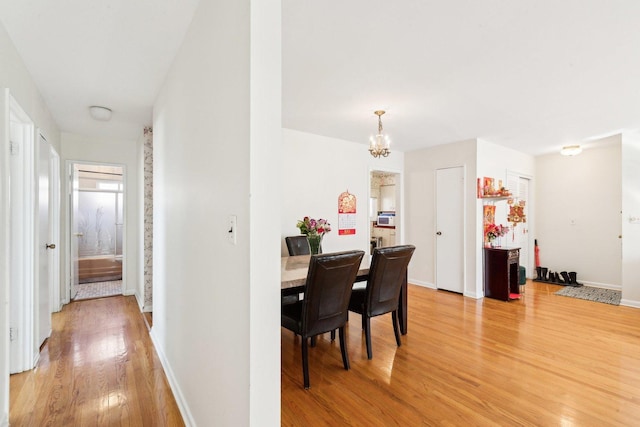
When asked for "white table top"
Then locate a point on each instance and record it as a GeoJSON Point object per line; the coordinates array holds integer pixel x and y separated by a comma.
{"type": "Point", "coordinates": [294, 269]}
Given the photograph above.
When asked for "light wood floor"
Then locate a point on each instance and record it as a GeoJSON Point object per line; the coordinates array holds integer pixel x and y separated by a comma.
{"type": "Point", "coordinates": [544, 360]}
{"type": "Point", "coordinates": [98, 368]}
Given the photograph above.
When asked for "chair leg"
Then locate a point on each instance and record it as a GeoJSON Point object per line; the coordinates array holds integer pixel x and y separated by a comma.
{"type": "Point", "coordinates": [305, 363]}
{"type": "Point", "coordinates": [313, 341]}
{"type": "Point", "coordinates": [367, 335]}
{"type": "Point", "coordinates": [396, 329]}
{"type": "Point", "coordinates": [333, 335]}
{"type": "Point", "coordinates": [343, 349]}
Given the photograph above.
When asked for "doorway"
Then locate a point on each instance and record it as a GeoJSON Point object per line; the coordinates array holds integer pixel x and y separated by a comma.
{"type": "Point", "coordinates": [97, 218]}
{"type": "Point", "coordinates": [519, 235]}
{"type": "Point", "coordinates": [384, 201]}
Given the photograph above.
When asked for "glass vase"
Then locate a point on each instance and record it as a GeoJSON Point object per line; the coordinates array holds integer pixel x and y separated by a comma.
{"type": "Point", "coordinates": [315, 244]}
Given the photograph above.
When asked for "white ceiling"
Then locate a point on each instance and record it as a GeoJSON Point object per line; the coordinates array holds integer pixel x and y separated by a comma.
{"type": "Point", "coordinates": [532, 75]}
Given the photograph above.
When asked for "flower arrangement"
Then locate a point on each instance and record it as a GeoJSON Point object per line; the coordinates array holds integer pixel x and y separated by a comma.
{"type": "Point", "coordinates": [492, 231]}
{"type": "Point", "coordinates": [311, 227]}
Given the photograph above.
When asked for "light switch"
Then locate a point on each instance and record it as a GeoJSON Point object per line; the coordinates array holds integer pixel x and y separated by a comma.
{"type": "Point", "coordinates": [233, 224]}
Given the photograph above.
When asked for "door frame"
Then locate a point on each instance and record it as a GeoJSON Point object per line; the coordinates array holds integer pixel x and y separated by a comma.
{"type": "Point", "coordinates": [462, 226]}
{"type": "Point", "coordinates": [23, 352]}
{"type": "Point", "coordinates": [69, 235]}
{"type": "Point", "coordinates": [399, 220]}
{"type": "Point", "coordinates": [54, 224]}
{"type": "Point", "coordinates": [528, 263]}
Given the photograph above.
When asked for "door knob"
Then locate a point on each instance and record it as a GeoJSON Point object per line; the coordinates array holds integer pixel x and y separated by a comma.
{"type": "Point", "coordinates": [50, 246]}
{"type": "Point", "coordinates": [439, 233]}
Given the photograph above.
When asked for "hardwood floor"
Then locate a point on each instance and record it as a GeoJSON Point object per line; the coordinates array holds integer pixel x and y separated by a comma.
{"type": "Point", "coordinates": [542, 360]}
{"type": "Point", "coordinates": [98, 368]}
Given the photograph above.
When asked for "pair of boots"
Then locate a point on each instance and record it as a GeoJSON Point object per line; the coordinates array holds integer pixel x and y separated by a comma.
{"type": "Point", "coordinates": [563, 278]}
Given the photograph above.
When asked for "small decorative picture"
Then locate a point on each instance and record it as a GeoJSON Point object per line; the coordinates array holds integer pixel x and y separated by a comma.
{"type": "Point", "coordinates": [489, 214]}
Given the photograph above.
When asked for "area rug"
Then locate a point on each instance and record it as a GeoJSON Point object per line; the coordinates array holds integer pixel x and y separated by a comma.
{"type": "Point", "coordinates": [607, 296]}
{"type": "Point", "coordinates": [98, 289]}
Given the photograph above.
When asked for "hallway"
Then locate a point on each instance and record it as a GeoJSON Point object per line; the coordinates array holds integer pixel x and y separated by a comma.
{"type": "Point", "coordinates": [99, 367]}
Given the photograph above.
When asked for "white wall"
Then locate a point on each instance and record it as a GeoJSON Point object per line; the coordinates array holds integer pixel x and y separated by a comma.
{"type": "Point", "coordinates": [630, 229]}
{"type": "Point", "coordinates": [217, 138]}
{"type": "Point", "coordinates": [14, 77]}
{"type": "Point", "coordinates": [495, 161]}
{"type": "Point", "coordinates": [315, 171]}
{"type": "Point", "coordinates": [420, 172]}
{"type": "Point", "coordinates": [479, 158]}
{"type": "Point", "coordinates": [578, 213]}
{"type": "Point", "coordinates": [90, 149]}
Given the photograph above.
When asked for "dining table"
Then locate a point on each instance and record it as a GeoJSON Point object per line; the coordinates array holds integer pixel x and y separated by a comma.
{"type": "Point", "coordinates": [293, 276]}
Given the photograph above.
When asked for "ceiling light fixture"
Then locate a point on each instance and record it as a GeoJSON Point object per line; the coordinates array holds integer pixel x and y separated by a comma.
{"type": "Point", "coordinates": [571, 150]}
{"type": "Point", "coordinates": [100, 113]}
{"type": "Point", "coordinates": [379, 144]}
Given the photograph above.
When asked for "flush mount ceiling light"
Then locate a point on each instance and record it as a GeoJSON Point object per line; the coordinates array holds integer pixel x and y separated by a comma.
{"type": "Point", "coordinates": [100, 113]}
{"type": "Point", "coordinates": [571, 150]}
{"type": "Point", "coordinates": [379, 144]}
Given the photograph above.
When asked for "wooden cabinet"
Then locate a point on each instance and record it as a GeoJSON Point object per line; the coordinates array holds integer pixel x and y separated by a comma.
{"type": "Point", "coordinates": [501, 269]}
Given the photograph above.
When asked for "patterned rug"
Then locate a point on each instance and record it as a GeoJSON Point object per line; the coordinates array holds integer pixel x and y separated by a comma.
{"type": "Point", "coordinates": [98, 289]}
{"type": "Point", "coordinates": [607, 296]}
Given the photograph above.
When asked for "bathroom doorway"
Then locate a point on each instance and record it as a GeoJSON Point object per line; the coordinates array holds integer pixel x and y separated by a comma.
{"type": "Point", "coordinates": [97, 206]}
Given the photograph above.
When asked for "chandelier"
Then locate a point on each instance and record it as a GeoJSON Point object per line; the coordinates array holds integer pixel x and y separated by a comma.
{"type": "Point", "coordinates": [379, 144]}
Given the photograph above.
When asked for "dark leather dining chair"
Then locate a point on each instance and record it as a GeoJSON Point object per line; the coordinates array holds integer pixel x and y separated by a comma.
{"type": "Point", "coordinates": [326, 302]}
{"type": "Point", "coordinates": [297, 245]}
{"type": "Point", "coordinates": [387, 272]}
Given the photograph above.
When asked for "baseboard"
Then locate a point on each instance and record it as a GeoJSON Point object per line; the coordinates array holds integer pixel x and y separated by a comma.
{"type": "Point", "coordinates": [473, 295]}
{"type": "Point", "coordinates": [421, 283]}
{"type": "Point", "coordinates": [128, 292]}
{"type": "Point", "coordinates": [139, 301]}
{"type": "Point", "coordinates": [173, 384]}
{"type": "Point", "coordinates": [630, 303]}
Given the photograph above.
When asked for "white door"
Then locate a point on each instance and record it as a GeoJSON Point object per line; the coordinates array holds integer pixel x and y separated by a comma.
{"type": "Point", "coordinates": [44, 242]}
{"type": "Point", "coordinates": [519, 235]}
{"type": "Point", "coordinates": [449, 229]}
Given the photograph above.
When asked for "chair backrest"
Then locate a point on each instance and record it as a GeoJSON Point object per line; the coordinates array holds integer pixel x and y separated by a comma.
{"type": "Point", "coordinates": [297, 245]}
{"type": "Point", "coordinates": [387, 272]}
{"type": "Point", "coordinates": [328, 290]}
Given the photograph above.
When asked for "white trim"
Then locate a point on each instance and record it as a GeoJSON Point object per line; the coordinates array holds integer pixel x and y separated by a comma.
{"type": "Point", "coordinates": [54, 224]}
{"type": "Point", "coordinates": [630, 303]}
{"type": "Point", "coordinates": [23, 248]}
{"type": "Point", "coordinates": [68, 183]}
{"type": "Point", "coordinates": [187, 417]}
{"type": "Point", "coordinates": [5, 251]}
{"type": "Point", "coordinates": [422, 284]}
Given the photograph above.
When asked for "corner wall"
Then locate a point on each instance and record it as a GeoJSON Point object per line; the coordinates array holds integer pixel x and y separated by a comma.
{"type": "Point", "coordinates": [99, 150]}
{"type": "Point", "coordinates": [420, 175]}
{"type": "Point", "coordinates": [578, 213]}
{"type": "Point", "coordinates": [217, 138]}
{"type": "Point", "coordinates": [14, 79]}
{"type": "Point", "coordinates": [311, 186]}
